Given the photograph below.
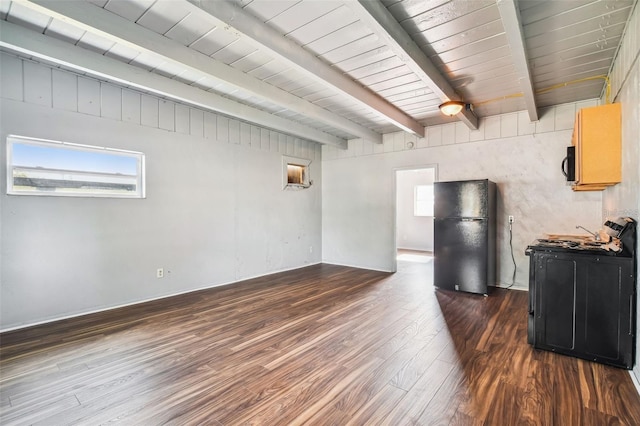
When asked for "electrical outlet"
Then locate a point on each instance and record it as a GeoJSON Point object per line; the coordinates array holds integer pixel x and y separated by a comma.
{"type": "Point", "coordinates": [310, 249]}
{"type": "Point", "coordinates": [511, 219]}
{"type": "Point", "coordinates": [160, 273]}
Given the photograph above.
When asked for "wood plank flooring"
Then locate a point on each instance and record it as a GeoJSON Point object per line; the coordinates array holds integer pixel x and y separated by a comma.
{"type": "Point", "coordinates": [323, 345]}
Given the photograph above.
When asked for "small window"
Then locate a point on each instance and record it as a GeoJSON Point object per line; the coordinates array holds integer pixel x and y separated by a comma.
{"type": "Point", "coordinates": [423, 200]}
{"type": "Point", "coordinates": [296, 173]}
{"type": "Point", "coordinates": [42, 167]}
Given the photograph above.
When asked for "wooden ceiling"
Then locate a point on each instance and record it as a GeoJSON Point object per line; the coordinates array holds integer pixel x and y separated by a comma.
{"type": "Point", "coordinates": [332, 70]}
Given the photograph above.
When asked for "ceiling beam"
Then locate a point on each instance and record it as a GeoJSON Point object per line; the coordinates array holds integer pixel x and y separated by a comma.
{"type": "Point", "coordinates": [122, 31]}
{"type": "Point", "coordinates": [304, 60]}
{"type": "Point", "coordinates": [378, 19]}
{"type": "Point", "coordinates": [27, 42]}
{"type": "Point", "coordinates": [510, 15]}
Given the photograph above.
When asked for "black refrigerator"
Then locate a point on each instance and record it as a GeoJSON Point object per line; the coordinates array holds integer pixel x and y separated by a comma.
{"type": "Point", "coordinates": [465, 235]}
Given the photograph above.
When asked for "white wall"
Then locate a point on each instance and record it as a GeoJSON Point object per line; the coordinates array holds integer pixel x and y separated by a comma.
{"type": "Point", "coordinates": [521, 157]}
{"type": "Point", "coordinates": [215, 210]}
{"type": "Point", "coordinates": [624, 199]}
{"type": "Point", "coordinates": [412, 232]}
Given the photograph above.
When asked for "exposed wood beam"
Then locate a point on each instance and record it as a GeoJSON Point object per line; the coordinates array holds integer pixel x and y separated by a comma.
{"type": "Point", "coordinates": [306, 61]}
{"type": "Point", "coordinates": [120, 30]}
{"type": "Point", "coordinates": [28, 42]}
{"type": "Point", "coordinates": [510, 14]}
{"type": "Point", "coordinates": [376, 16]}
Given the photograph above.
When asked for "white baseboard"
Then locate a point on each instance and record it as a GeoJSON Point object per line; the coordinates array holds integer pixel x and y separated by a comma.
{"type": "Point", "coordinates": [635, 381]}
{"type": "Point", "coordinates": [358, 267]}
{"type": "Point", "coordinates": [515, 287]}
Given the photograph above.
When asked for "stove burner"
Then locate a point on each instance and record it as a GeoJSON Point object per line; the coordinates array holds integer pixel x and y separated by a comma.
{"type": "Point", "coordinates": [558, 243]}
{"type": "Point", "coordinates": [570, 244]}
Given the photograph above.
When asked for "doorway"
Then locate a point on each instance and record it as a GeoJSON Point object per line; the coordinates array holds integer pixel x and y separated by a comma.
{"type": "Point", "coordinates": [414, 215]}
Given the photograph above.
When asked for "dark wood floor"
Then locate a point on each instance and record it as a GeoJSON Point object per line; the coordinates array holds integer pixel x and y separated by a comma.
{"type": "Point", "coordinates": [324, 345]}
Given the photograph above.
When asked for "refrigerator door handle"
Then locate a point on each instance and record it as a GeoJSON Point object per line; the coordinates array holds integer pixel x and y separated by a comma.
{"type": "Point", "coordinates": [471, 219]}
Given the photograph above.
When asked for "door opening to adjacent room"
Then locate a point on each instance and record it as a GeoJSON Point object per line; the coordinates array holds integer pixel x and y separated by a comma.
{"type": "Point", "coordinates": [414, 215]}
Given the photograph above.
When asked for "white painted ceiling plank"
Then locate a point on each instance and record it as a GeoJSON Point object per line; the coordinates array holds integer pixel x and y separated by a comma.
{"type": "Point", "coordinates": [325, 24]}
{"type": "Point", "coordinates": [350, 48]}
{"type": "Point", "coordinates": [4, 9]}
{"type": "Point", "coordinates": [394, 72]}
{"type": "Point", "coordinates": [189, 30]}
{"type": "Point", "coordinates": [611, 39]}
{"type": "Point", "coordinates": [473, 47]}
{"type": "Point", "coordinates": [123, 53]}
{"type": "Point", "coordinates": [213, 41]}
{"type": "Point", "coordinates": [234, 52]}
{"type": "Point", "coordinates": [513, 29]}
{"type": "Point", "coordinates": [21, 15]}
{"type": "Point", "coordinates": [304, 60]}
{"type": "Point", "coordinates": [268, 9]}
{"type": "Point", "coordinates": [576, 52]}
{"type": "Point", "coordinates": [340, 37]}
{"type": "Point", "coordinates": [156, 18]}
{"type": "Point", "coordinates": [95, 43]}
{"type": "Point", "coordinates": [592, 29]}
{"type": "Point", "coordinates": [598, 11]}
{"type": "Point", "coordinates": [378, 67]}
{"type": "Point", "coordinates": [479, 32]}
{"type": "Point", "coordinates": [365, 58]}
{"type": "Point", "coordinates": [64, 31]}
{"type": "Point", "coordinates": [376, 16]}
{"type": "Point", "coordinates": [131, 10]}
{"type": "Point", "coordinates": [132, 35]}
{"type": "Point", "coordinates": [24, 41]}
{"type": "Point", "coordinates": [408, 9]}
{"type": "Point", "coordinates": [452, 28]}
{"type": "Point", "coordinates": [480, 59]}
{"type": "Point", "coordinates": [301, 14]}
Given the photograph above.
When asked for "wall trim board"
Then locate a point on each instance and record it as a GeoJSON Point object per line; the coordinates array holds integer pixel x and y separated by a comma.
{"type": "Point", "coordinates": [152, 299]}
{"type": "Point", "coordinates": [402, 247]}
{"type": "Point", "coordinates": [635, 381]}
{"type": "Point", "coordinates": [358, 267]}
{"type": "Point", "coordinates": [515, 287]}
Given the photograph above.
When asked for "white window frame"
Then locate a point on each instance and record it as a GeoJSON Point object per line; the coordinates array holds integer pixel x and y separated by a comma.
{"type": "Point", "coordinates": [417, 210]}
{"type": "Point", "coordinates": [138, 156]}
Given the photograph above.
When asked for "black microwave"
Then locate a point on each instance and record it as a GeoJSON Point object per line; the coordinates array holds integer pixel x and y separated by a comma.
{"type": "Point", "coordinates": [569, 164]}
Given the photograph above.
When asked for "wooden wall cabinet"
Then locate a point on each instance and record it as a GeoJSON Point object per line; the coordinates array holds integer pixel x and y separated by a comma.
{"type": "Point", "coordinates": [597, 136]}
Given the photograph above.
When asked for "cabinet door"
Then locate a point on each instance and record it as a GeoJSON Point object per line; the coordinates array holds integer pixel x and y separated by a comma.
{"type": "Point", "coordinates": [556, 303]}
{"type": "Point", "coordinates": [585, 307]}
{"type": "Point", "coordinates": [597, 137]}
{"type": "Point", "coordinates": [609, 302]}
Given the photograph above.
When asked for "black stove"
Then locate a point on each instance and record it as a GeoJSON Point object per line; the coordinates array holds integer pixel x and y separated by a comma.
{"type": "Point", "coordinates": [582, 297]}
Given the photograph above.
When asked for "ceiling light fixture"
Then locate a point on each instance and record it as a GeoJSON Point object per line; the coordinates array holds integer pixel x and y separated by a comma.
{"type": "Point", "coordinates": [451, 108]}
